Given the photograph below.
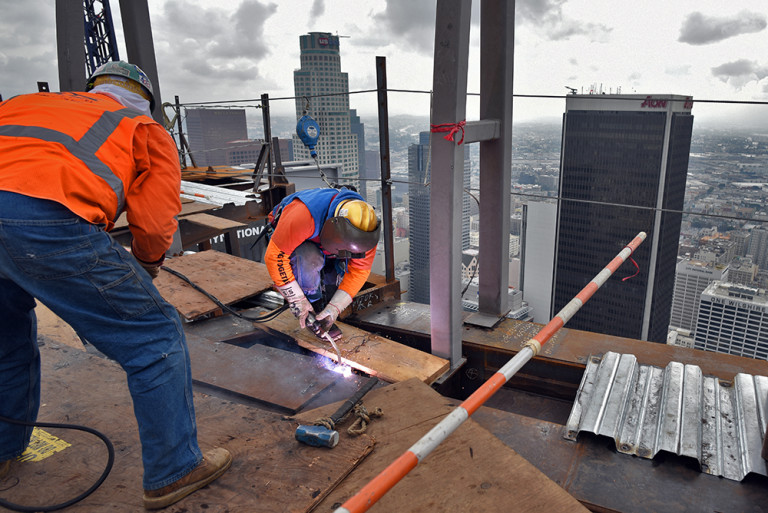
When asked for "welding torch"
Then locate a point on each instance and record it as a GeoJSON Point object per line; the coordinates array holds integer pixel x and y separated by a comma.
{"type": "Point", "coordinates": [317, 328]}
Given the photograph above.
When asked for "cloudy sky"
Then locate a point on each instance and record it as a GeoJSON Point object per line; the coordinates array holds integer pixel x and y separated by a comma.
{"type": "Point", "coordinates": [218, 50]}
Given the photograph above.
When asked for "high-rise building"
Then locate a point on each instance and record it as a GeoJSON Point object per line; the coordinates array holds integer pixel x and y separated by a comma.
{"type": "Point", "coordinates": [419, 172]}
{"type": "Point", "coordinates": [322, 90]}
{"type": "Point", "coordinates": [418, 220]}
{"type": "Point", "coordinates": [357, 127]}
{"type": "Point", "coordinates": [742, 271]}
{"type": "Point", "coordinates": [210, 132]}
{"type": "Point", "coordinates": [733, 319]}
{"type": "Point", "coordinates": [758, 247]}
{"type": "Point", "coordinates": [691, 278]}
{"type": "Point", "coordinates": [624, 163]}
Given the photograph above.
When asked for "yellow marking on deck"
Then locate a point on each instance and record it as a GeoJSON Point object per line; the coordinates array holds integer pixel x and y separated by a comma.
{"type": "Point", "coordinates": [41, 445]}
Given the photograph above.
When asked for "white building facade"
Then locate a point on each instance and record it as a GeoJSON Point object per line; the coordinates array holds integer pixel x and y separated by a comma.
{"type": "Point", "coordinates": [733, 319]}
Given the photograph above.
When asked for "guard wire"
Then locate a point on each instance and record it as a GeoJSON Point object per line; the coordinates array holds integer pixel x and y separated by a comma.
{"type": "Point", "coordinates": [263, 318]}
{"type": "Point", "coordinates": [107, 469]}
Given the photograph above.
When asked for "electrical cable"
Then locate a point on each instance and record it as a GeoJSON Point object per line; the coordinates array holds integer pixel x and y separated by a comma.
{"type": "Point", "coordinates": [263, 318]}
{"type": "Point", "coordinates": [107, 469]}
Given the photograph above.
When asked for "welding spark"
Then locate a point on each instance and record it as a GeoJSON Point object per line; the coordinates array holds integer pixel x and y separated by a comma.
{"type": "Point", "coordinates": [344, 370]}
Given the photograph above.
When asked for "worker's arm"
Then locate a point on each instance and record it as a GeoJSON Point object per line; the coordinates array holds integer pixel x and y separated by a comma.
{"type": "Point", "coordinates": [296, 226]}
{"type": "Point", "coordinates": [358, 270]}
{"type": "Point", "coordinates": [152, 199]}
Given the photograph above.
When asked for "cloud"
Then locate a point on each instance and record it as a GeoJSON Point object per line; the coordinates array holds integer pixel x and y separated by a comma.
{"type": "Point", "coordinates": [741, 72]}
{"type": "Point", "coordinates": [218, 32]}
{"type": "Point", "coordinates": [410, 22]}
{"type": "Point", "coordinates": [548, 16]}
{"type": "Point", "coordinates": [699, 29]}
{"type": "Point", "coordinates": [26, 53]}
{"type": "Point", "coordinates": [318, 9]}
{"type": "Point", "coordinates": [217, 48]}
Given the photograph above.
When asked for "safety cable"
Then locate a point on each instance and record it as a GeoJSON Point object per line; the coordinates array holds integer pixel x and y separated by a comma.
{"type": "Point", "coordinates": [110, 462]}
{"type": "Point", "coordinates": [263, 318]}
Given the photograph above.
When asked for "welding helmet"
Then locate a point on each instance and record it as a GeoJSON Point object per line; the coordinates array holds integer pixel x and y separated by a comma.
{"type": "Point", "coordinates": [352, 231]}
{"type": "Point", "coordinates": [125, 75]}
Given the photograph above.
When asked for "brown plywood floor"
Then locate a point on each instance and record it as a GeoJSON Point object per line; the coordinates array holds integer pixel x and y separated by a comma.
{"type": "Point", "coordinates": [470, 471]}
{"type": "Point", "coordinates": [271, 470]}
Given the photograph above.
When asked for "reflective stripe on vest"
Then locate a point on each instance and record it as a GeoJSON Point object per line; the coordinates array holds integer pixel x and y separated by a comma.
{"type": "Point", "coordinates": [85, 149]}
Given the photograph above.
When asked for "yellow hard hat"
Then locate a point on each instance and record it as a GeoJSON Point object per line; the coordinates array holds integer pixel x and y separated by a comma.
{"type": "Point", "coordinates": [359, 213]}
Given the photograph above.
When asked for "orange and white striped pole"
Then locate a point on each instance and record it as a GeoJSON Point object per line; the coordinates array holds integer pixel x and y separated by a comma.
{"type": "Point", "coordinates": [390, 476]}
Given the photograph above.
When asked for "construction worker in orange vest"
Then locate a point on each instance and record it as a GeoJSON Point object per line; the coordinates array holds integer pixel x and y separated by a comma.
{"type": "Point", "coordinates": [70, 164]}
{"type": "Point", "coordinates": [321, 251]}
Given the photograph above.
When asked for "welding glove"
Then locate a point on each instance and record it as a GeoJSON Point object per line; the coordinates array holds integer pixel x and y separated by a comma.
{"type": "Point", "coordinates": [333, 309]}
{"type": "Point", "coordinates": [153, 268]}
{"type": "Point", "coordinates": [297, 301]}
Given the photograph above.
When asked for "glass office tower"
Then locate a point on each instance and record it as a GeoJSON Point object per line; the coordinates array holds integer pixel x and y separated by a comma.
{"type": "Point", "coordinates": [624, 163]}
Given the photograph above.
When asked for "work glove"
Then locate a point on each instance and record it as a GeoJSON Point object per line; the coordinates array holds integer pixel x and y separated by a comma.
{"type": "Point", "coordinates": [297, 301]}
{"type": "Point", "coordinates": [333, 309]}
{"type": "Point", "coordinates": [153, 268]}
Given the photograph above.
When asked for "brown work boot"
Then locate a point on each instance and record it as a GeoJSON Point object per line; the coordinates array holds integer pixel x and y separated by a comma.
{"type": "Point", "coordinates": [215, 463]}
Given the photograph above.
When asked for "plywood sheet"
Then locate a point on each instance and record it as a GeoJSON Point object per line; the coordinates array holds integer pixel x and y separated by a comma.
{"type": "Point", "coordinates": [226, 277]}
{"type": "Point", "coordinates": [471, 470]}
{"type": "Point", "coordinates": [370, 353]}
{"type": "Point", "coordinates": [271, 470]}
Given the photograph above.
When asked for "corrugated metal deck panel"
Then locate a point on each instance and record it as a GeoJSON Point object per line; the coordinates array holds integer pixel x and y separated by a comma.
{"type": "Point", "coordinates": [648, 409]}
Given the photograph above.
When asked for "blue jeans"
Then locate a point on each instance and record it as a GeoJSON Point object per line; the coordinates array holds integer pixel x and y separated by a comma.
{"type": "Point", "coordinates": [81, 274]}
{"type": "Point", "coordinates": [318, 276]}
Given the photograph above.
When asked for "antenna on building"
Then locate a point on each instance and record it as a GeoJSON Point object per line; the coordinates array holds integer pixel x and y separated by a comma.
{"type": "Point", "coordinates": [571, 89]}
{"type": "Point", "coordinates": [337, 35]}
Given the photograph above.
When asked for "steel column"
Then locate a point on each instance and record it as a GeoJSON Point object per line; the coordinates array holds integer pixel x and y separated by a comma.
{"type": "Point", "coordinates": [70, 22]}
{"type": "Point", "coordinates": [386, 183]}
{"type": "Point", "coordinates": [447, 177]}
{"type": "Point", "coordinates": [497, 42]}
{"type": "Point", "coordinates": [140, 45]}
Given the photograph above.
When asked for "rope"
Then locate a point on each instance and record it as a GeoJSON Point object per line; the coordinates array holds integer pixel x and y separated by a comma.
{"type": "Point", "coordinates": [363, 419]}
{"type": "Point", "coordinates": [451, 128]}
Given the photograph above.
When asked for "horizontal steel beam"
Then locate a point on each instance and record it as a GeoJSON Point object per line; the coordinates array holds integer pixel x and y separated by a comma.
{"type": "Point", "coordinates": [482, 130]}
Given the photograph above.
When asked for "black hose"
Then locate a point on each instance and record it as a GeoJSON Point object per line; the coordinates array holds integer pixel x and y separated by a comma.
{"type": "Point", "coordinates": [110, 462]}
{"type": "Point", "coordinates": [264, 318]}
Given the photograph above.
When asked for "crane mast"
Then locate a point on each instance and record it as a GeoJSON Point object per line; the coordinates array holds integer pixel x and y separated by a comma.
{"type": "Point", "coordinates": [100, 41]}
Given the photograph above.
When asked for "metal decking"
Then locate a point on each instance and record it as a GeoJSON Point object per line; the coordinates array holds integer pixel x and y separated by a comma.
{"type": "Point", "coordinates": [677, 409]}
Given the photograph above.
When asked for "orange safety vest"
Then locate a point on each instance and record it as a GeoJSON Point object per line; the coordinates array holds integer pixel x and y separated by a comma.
{"type": "Point", "coordinates": [97, 158]}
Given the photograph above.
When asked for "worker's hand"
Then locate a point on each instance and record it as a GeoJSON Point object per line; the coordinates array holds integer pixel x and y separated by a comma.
{"type": "Point", "coordinates": [333, 309]}
{"type": "Point", "coordinates": [297, 301]}
{"type": "Point", "coordinates": [152, 269]}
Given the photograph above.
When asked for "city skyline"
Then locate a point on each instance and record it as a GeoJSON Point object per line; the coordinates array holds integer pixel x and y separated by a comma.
{"type": "Point", "coordinates": [239, 49]}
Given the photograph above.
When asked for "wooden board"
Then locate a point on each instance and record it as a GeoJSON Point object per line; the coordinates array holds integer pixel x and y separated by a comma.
{"type": "Point", "coordinates": [271, 470]}
{"type": "Point", "coordinates": [386, 359]}
{"type": "Point", "coordinates": [275, 377]}
{"type": "Point", "coordinates": [219, 223]}
{"type": "Point", "coordinates": [471, 470]}
{"type": "Point", "coordinates": [226, 277]}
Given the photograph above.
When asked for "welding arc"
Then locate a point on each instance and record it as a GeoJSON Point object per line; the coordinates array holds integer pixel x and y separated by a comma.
{"type": "Point", "coordinates": [104, 474]}
{"type": "Point", "coordinates": [263, 318]}
{"type": "Point", "coordinates": [390, 476]}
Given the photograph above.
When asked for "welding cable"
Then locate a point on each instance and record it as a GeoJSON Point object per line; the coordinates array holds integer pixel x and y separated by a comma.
{"type": "Point", "coordinates": [110, 461]}
{"type": "Point", "coordinates": [264, 318]}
